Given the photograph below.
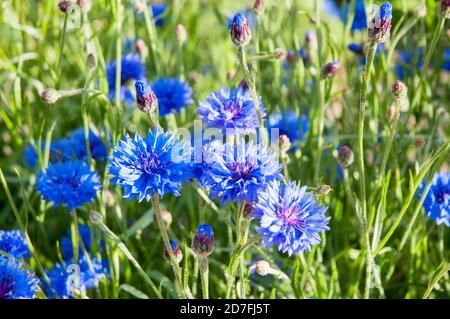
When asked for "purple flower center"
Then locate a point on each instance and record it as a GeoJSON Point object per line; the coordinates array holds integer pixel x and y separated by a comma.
{"type": "Point", "coordinates": [440, 195]}
{"type": "Point", "coordinates": [150, 162]}
{"type": "Point", "coordinates": [291, 216]}
{"type": "Point", "coordinates": [232, 110]}
{"type": "Point", "coordinates": [242, 170]}
{"type": "Point", "coordinates": [5, 287]}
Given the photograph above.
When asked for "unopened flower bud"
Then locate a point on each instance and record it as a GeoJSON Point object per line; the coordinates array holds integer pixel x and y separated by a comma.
{"type": "Point", "coordinates": [399, 90]}
{"type": "Point", "coordinates": [203, 242]}
{"type": "Point", "coordinates": [85, 5]}
{"type": "Point", "coordinates": [258, 7]}
{"type": "Point", "coordinates": [291, 56]}
{"type": "Point", "coordinates": [109, 198]}
{"type": "Point", "coordinates": [380, 27]}
{"type": "Point", "coordinates": [390, 113]}
{"type": "Point", "coordinates": [311, 40]}
{"type": "Point", "coordinates": [50, 96]}
{"type": "Point", "coordinates": [240, 31]}
{"type": "Point", "coordinates": [419, 141]}
{"type": "Point", "coordinates": [64, 5]}
{"type": "Point", "coordinates": [248, 208]}
{"type": "Point", "coordinates": [262, 268]}
{"type": "Point", "coordinates": [139, 6]}
{"type": "Point", "coordinates": [166, 217]}
{"type": "Point", "coordinates": [244, 84]}
{"type": "Point", "coordinates": [141, 48]}
{"type": "Point", "coordinates": [231, 74]}
{"type": "Point", "coordinates": [421, 10]}
{"type": "Point", "coordinates": [445, 9]}
{"type": "Point", "coordinates": [323, 190]}
{"type": "Point", "coordinates": [345, 156]}
{"type": "Point", "coordinates": [181, 33]}
{"type": "Point", "coordinates": [193, 77]}
{"type": "Point", "coordinates": [280, 54]}
{"type": "Point", "coordinates": [90, 61]}
{"type": "Point", "coordinates": [145, 98]}
{"type": "Point", "coordinates": [285, 143]}
{"type": "Point", "coordinates": [178, 254]}
{"type": "Point", "coordinates": [329, 70]}
{"type": "Point", "coordinates": [95, 217]}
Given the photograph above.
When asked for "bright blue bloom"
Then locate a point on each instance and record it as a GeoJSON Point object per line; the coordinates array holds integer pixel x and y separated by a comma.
{"type": "Point", "coordinates": [446, 58]}
{"type": "Point", "coordinates": [386, 11]}
{"type": "Point", "coordinates": [437, 201]}
{"type": "Point", "coordinates": [330, 8]}
{"type": "Point", "coordinates": [356, 48]}
{"type": "Point", "coordinates": [66, 280]}
{"type": "Point", "coordinates": [231, 111]}
{"type": "Point", "coordinates": [290, 124]}
{"type": "Point", "coordinates": [60, 151]}
{"type": "Point", "coordinates": [145, 165]}
{"type": "Point", "coordinates": [290, 218]}
{"type": "Point", "coordinates": [408, 63]}
{"type": "Point", "coordinates": [240, 172]}
{"type": "Point", "coordinates": [203, 242]}
{"type": "Point", "coordinates": [86, 236]}
{"type": "Point", "coordinates": [72, 184]}
{"type": "Point", "coordinates": [15, 281]}
{"type": "Point", "coordinates": [157, 12]}
{"type": "Point", "coordinates": [132, 69]}
{"type": "Point", "coordinates": [360, 18]}
{"type": "Point", "coordinates": [172, 95]}
{"type": "Point", "coordinates": [13, 242]}
{"type": "Point", "coordinates": [96, 145]}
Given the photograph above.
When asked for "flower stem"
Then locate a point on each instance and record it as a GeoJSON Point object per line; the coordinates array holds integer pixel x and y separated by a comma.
{"type": "Point", "coordinates": [252, 86]}
{"type": "Point", "coordinates": [362, 200]}
{"type": "Point", "coordinates": [204, 273]}
{"type": "Point", "coordinates": [61, 48]}
{"type": "Point", "coordinates": [75, 236]}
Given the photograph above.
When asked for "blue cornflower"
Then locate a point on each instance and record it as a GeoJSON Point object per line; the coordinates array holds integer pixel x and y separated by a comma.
{"type": "Point", "coordinates": [203, 242]}
{"type": "Point", "coordinates": [15, 281]}
{"type": "Point", "coordinates": [240, 172]}
{"type": "Point", "coordinates": [132, 69]}
{"type": "Point", "coordinates": [172, 95]}
{"type": "Point", "coordinates": [361, 51]}
{"type": "Point", "coordinates": [437, 201]}
{"type": "Point", "coordinates": [360, 18]}
{"type": "Point", "coordinates": [290, 218]}
{"type": "Point", "coordinates": [231, 111]}
{"type": "Point", "coordinates": [60, 151]}
{"type": "Point", "coordinates": [68, 280]}
{"type": "Point", "coordinates": [96, 145]}
{"type": "Point", "coordinates": [290, 124]}
{"type": "Point", "coordinates": [72, 184]}
{"type": "Point", "coordinates": [408, 62]}
{"type": "Point", "coordinates": [157, 12]}
{"type": "Point", "coordinates": [13, 243]}
{"type": "Point", "coordinates": [202, 155]}
{"type": "Point", "coordinates": [446, 60]}
{"type": "Point", "coordinates": [156, 163]}
{"type": "Point", "coordinates": [88, 238]}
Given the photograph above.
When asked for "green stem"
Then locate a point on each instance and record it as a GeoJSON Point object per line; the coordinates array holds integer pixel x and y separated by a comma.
{"type": "Point", "coordinates": [119, 20]}
{"type": "Point", "coordinates": [321, 108]}
{"type": "Point", "coordinates": [252, 86]}
{"type": "Point", "coordinates": [62, 40]}
{"type": "Point", "coordinates": [362, 200]}
{"type": "Point", "coordinates": [153, 39]}
{"type": "Point", "coordinates": [75, 236]}
{"type": "Point", "coordinates": [204, 273]}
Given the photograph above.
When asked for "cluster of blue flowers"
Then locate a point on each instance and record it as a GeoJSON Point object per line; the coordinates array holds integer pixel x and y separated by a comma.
{"type": "Point", "coordinates": [437, 200]}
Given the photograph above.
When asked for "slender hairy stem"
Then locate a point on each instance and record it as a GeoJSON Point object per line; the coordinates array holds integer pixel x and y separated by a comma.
{"type": "Point", "coordinates": [204, 273]}
{"type": "Point", "coordinates": [252, 86]}
{"type": "Point", "coordinates": [75, 236]}
{"type": "Point", "coordinates": [119, 20]}
{"type": "Point", "coordinates": [61, 48]}
{"type": "Point", "coordinates": [321, 108]}
{"type": "Point", "coordinates": [362, 178]}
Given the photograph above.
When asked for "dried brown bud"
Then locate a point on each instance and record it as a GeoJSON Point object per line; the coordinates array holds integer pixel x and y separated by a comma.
{"type": "Point", "coordinates": [345, 156]}
{"type": "Point", "coordinates": [280, 54]}
{"type": "Point", "coordinates": [399, 90]}
{"type": "Point", "coordinates": [50, 96]}
{"type": "Point", "coordinates": [262, 268]}
{"type": "Point", "coordinates": [64, 5]}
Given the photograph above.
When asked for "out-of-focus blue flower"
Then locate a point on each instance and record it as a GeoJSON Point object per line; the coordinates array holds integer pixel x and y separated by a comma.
{"type": "Point", "coordinates": [60, 151]}
{"type": "Point", "coordinates": [15, 281]}
{"type": "Point", "coordinates": [240, 172]}
{"type": "Point", "coordinates": [68, 280]}
{"type": "Point", "coordinates": [88, 238]}
{"type": "Point", "coordinates": [360, 18]}
{"type": "Point", "coordinates": [361, 51]}
{"type": "Point", "coordinates": [132, 69]}
{"type": "Point", "coordinates": [437, 201]}
{"type": "Point", "coordinates": [72, 184]}
{"type": "Point", "coordinates": [290, 218]}
{"type": "Point", "coordinates": [409, 63]}
{"type": "Point", "coordinates": [290, 124]}
{"type": "Point", "coordinates": [96, 145]}
{"type": "Point", "coordinates": [203, 242]}
{"type": "Point", "coordinates": [172, 95]}
{"type": "Point", "coordinates": [446, 60]}
{"type": "Point", "coordinates": [157, 13]}
{"type": "Point", "coordinates": [232, 112]}
{"type": "Point", "coordinates": [330, 8]}
{"type": "Point", "coordinates": [143, 166]}
{"type": "Point", "coordinates": [13, 243]}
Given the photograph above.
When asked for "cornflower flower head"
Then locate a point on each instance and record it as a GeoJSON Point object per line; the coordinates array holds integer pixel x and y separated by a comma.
{"type": "Point", "coordinates": [379, 27]}
{"type": "Point", "coordinates": [87, 237]}
{"type": "Point", "coordinates": [176, 251]}
{"type": "Point", "coordinates": [231, 111]}
{"type": "Point", "coordinates": [132, 69]}
{"type": "Point", "coordinates": [288, 123]}
{"type": "Point", "coordinates": [241, 171]}
{"type": "Point", "coordinates": [60, 151]}
{"type": "Point", "coordinates": [15, 281]}
{"type": "Point", "coordinates": [145, 97]}
{"type": "Point", "coordinates": [72, 184]}
{"type": "Point", "coordinates": [240, 31]}
{"type": "Point", "coordinates": [290, 218]}
{"type": "Point", "coordinates": [437, 201]}
{"type": "Point", "coordinates": [96, 146]}
{"type": "Point", "coordinates": [67, 280]}
{"type": "Point", "coordinates": [13, 243]}
{"type": "Point", "coordinates": [203, 242]}
{"type": "Point", "coordinates": [153, 164]}
{"type": "Point", "coordinates": [172, 94]}
{"type": "Point", "coordinates": [359, 19]}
